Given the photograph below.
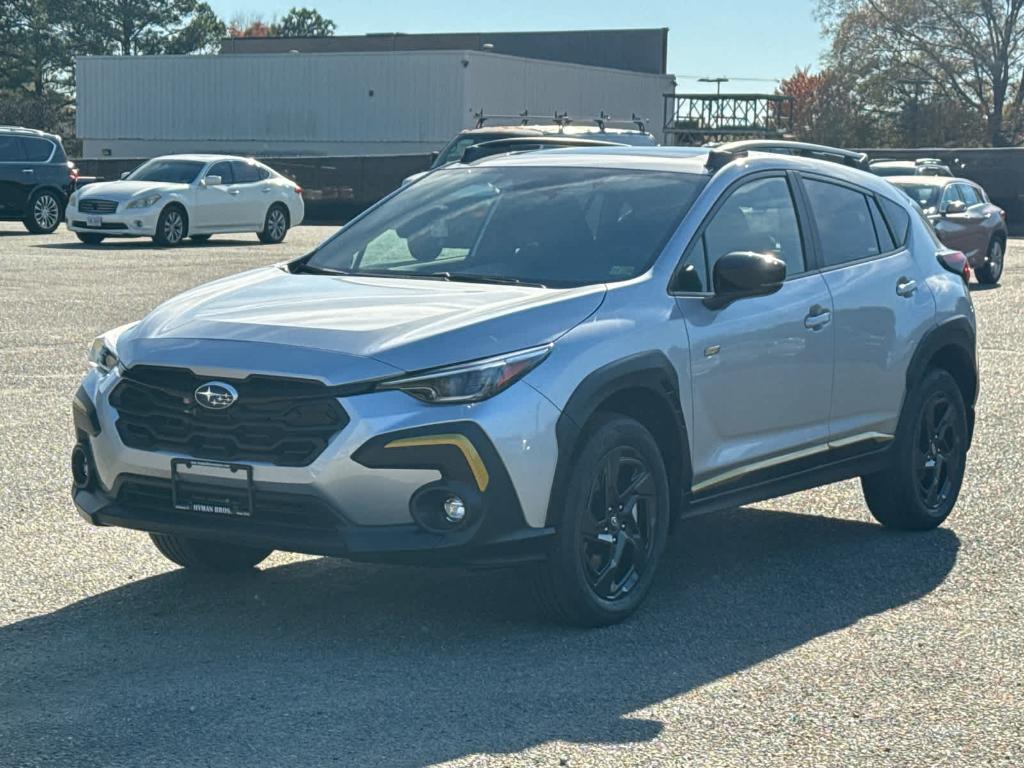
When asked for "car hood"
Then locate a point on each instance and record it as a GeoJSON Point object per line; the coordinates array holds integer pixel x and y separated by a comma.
{"type": "Point", "coordinates": [123, 190]}
{"type": "Point", "coordinates": [343, 329]}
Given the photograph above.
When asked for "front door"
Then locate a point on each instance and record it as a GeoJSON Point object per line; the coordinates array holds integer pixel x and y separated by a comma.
{"type": "Point", "coordinates": [216, 207]}
{"type": "Point", "coordinates": [761, 367]}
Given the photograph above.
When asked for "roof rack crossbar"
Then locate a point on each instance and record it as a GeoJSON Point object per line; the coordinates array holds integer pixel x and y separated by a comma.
{"type": "Point", "coordinates": [563, 119]}
{"type": "Point", "coordinates": [726, 153]}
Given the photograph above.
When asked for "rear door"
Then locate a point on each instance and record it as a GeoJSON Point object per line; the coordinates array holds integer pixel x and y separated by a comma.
{"type": "Point", "coordinates": [13, 191]}
{"type": "Point", "coordinates": [250, 198]}
{"type": "Point", "coordinates": [761, 367]}
{"type": "Point", "coordinates": [882, 305]}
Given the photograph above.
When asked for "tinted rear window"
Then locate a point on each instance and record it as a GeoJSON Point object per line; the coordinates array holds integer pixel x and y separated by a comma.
{"type": "Point", "coordinates": [844, 222]}
{"type": "Point", "coordinates": [10, 148]}
{"type": "Point", "coordinates": [37, 150]}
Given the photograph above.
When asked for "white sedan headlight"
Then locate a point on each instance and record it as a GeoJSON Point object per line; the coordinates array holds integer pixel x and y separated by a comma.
{"type": "Point", "coordinates": [73, 200]}
{"type": "Point", "coordinates": [469, 382]}
{"type": "Point", "coordinates": [143, 202]}
{"type": "Point", "coordinates": [103, 352]}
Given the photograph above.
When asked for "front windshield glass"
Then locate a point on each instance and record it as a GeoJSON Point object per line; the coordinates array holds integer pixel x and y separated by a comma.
{"type": "Point", "coordinates": [552, 226]}
{"type": "Point", "coordinates": [925, 195]}
{"type": "Point", "coordinates": [169, 171]}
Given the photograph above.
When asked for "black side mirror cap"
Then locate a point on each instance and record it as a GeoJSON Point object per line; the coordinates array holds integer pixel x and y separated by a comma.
{"type": "Point", "coordinates": [742, 274]}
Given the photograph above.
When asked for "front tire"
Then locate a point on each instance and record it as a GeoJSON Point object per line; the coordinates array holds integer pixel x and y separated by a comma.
{"type": "Point", "coordinates": [88, 238]}
{"type": "Point", "coordinates": [171, 227]}
{"type": "Point", "coordinates": [613, 527]}
{"type": "Point", "coordinates": [45, 210]}
{"type": "Point", "coordinates": [919, 488]}
{"type": "Point", "coordinates": [208, 556]}
{"type": "Point", "coordinates": [990, 272]}
{"type": "Point", "coordinates": [275, 225]}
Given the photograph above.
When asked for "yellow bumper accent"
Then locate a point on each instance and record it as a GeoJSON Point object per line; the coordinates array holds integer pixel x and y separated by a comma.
{"type": "Point", "coordinates": [463, 443]}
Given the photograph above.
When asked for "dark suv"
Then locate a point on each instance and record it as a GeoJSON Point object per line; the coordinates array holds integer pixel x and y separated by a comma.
{"type": "Point", "coordinates": [35, 178]}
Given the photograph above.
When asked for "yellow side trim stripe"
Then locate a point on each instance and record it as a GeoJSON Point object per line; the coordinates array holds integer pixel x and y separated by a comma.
{"type": "Point", "coordinates": [463, 443]}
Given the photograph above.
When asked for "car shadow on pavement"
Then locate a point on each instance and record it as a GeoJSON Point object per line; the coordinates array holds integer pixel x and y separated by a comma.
{"type": "Point", "coordinates": [136, 243]}
{"type": "Point", "coordinates": [327, 662]}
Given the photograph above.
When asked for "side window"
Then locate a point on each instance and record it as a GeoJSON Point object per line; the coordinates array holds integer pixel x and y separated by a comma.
{"type": "Point", "coordinates": [885, 240]}
{"type": "Point", "coordinates": [244, 173]}
{"type": "Point", "coordinates": [10, 148]}
{"type": "Point", "coordinates": [844, 222]}
{"type": "Point", "coordinates": [224, 171]}
{"type": "Point", "coordinates": [898, 219]}
{"type": "Point", "coordinates": [759, 217]}
{"type": "Point", "coordinates": [37, 150]}
{"type": "Point", "coordinates": [969, 195]}
{"type": "Point", "coordinates": [949, 194]}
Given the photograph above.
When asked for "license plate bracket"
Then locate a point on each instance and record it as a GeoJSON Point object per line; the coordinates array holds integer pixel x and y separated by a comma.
{"type": "Point", "coordinates": [94, 221]}
{"type": "Point", "coordinates": [212, 487]}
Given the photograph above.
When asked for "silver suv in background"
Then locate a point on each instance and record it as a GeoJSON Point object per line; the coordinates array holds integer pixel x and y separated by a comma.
{"type": "Point", "coordinates": [545, 359]}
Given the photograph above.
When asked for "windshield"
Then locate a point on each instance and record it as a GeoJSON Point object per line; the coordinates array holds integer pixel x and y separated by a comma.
{"type": "Point", "coordinates": [459, 144]}
{"type": "Point", "coordinates": [170, 171]}
{"type": "Point", "coordinates": [551, 226]}
{"type": "Point", "coordinates": [925, 195]}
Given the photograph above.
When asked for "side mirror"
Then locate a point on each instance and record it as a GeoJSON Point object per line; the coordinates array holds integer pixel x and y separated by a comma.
{"type": "Point", "coordinates": [434, 155]}
{"type": "Point", "coordinates": [212, 181]}
{"type": "Point", "coordinates": [741, 274]}
{"type": "Point", "coordinates": [954, 207]}
{"type": "Point", "coordinates": [126, 174]}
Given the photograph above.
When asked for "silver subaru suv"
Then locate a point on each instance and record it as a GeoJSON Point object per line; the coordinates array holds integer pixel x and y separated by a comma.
{"type": "Point", "coordinates": [546, 359]}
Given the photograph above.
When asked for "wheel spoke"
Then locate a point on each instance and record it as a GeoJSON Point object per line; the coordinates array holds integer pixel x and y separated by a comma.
{"type": "Point", "coordinates": [606, 578]}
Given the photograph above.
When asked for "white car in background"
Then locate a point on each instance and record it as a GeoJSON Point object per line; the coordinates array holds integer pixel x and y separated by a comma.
{"type": "Point", "coordinates": [177, 196]}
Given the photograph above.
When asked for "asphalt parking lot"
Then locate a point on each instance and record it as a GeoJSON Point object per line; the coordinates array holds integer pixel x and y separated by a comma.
{"type": "Point", "coordinates": [797, 633]}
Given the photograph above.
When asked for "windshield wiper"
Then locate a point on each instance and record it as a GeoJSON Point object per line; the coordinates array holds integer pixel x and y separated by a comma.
{"type": "Point", "coordinates": [463, 278]}
{"type": "Point", "coordinates": [308, 268]}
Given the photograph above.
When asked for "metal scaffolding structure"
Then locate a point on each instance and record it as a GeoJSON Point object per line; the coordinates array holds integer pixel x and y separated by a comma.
{"type": "Point", "coordinates": [697, 118]}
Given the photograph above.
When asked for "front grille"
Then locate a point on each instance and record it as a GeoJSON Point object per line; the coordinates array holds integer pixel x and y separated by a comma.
{"type": "Point", "coordinates": [153, 498]}
{"type": "Point", "coordinates": [287, 422]}
{"type": "Point", "coordinates": [91, 205]}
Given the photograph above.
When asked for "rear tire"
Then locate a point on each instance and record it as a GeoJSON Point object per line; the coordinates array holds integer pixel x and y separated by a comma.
{"type": "Point", "coordinates": [275, 225]}
{"type": "Point", "coordinates": [45, 211]}
{"type": "Point", "coordinates": [88, 238]}
{"type": "Point", "coordinates": [919, 488]}
{"type": "Point", "coordinates": [613, 527]}
{"type": "Point", "coordinates": [171, 227]}
{"type": "Point", "coordinates": [208, 556]}
{"type": "Point", "coordinates": [990, 272]}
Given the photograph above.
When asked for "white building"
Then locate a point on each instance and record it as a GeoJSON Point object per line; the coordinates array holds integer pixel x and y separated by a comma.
{"type": "Point", "coordinates": [364, 103]}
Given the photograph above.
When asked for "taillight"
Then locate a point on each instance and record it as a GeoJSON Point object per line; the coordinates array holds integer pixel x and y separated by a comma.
{"type": "Point", "coordinates": [298, 190]}
{"type": "Point", "coordinates": [956, 263]}
{"type": "Point", "coordinates": [1002, 214]}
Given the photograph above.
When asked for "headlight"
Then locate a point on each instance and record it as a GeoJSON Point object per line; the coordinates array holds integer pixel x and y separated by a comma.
{"type": "Point", "coordinates": [470, 382]}
{"type": "Point", "coordinates": [73, 200]}
{"type": "Point", "coordinates": [143, 202]}
{"type": "Point", "coordinates": [103, 353]}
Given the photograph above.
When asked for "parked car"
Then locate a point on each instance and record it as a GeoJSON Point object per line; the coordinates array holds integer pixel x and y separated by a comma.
{"type": "Point", "coordinates": [177, 196]}
{"type": "Point", "coordinates": [923, 166]}
{"type": "Point", "coordinates": [542, 359]}
{"type": "Point", "coordinates": [964, 220]}
{"type": "Point", "coordinates": [595, 129]}
{"type": "Point", "coordinates": [36, 178]}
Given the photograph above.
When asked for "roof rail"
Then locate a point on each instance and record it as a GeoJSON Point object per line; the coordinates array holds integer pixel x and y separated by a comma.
{"type": "Point", "coordinates": [726, 153]}
{"type": "Point", "coordinates": [563, 119]}
{"type": "Point", "coordinates": [527, 144]}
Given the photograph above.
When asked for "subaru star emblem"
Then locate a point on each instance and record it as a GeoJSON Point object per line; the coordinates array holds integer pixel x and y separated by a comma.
{"type": "Point", "coordinates": [216, 395]}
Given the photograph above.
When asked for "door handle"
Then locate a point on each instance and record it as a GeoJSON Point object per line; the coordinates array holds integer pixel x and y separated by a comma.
{"type": "Point", "coordinates": [233, 191]}
{"type": "Point", "coordinates": [905, 287]}
{"type": "Point", "coordinates": [27, 170]}
{"type": "Point", "coordinates": [266, 190]}
{"type": "Point", "coordinates": [817, 317]}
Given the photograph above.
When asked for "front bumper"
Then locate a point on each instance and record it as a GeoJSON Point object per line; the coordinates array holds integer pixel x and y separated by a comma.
{"type": "Point", "coordinates": [363, 497]}
{"type": "Point", "coordinates": [136, 222]}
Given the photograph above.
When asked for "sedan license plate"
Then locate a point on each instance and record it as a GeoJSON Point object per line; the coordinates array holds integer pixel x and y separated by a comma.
{"type": "Point", "coordinates": [94, 221]}
{"type": "Point", "coordinates": [212, 487]}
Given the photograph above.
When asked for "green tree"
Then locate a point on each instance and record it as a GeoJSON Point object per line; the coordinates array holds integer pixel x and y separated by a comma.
{"type": "Point", "coordinates": [132, 27]}
{"type": "Point", "coordinates": [303, 22]}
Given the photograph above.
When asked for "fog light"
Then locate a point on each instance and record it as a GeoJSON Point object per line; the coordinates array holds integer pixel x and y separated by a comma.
{"type": "Point", "coordinates": [454, 509]}
{"type": "Point", "coordinates": [81, 468]}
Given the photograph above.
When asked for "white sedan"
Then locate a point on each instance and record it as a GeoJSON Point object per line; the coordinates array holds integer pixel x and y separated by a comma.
{"type": "Point", "coordinates": [178, 196]}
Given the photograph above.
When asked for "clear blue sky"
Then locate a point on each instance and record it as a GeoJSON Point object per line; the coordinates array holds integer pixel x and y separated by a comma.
{"type": "Point", "coordinates": [732, 38]}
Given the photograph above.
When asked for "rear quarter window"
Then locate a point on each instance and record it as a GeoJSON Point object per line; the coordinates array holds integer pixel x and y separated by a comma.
{"type": "Point", "coordinates": [898, 219]}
